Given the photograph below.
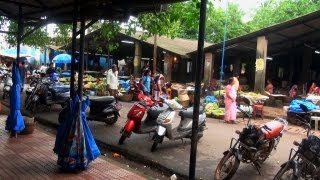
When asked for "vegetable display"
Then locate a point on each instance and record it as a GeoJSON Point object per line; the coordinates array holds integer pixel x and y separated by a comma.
{"type": "Point", "coordinates": [213, 109]}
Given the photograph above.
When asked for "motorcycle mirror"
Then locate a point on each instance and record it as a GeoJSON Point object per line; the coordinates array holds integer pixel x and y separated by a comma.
{"type": "Point", "coordinates": [296, 143]}
{"type": "Point", "coordinates": [238, 132]}
{"type": "Point", "coordinates": [160, 104]}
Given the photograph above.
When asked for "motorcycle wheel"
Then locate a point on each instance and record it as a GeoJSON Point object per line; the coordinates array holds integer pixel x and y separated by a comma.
{"type": "Point", "coordinates": [286, 172]}
{"type": "Point", "coordinates": [227, 167]}
{"type": "Point", "coordinates": [113, 120]}
{"type": "Point", "coordinates": [156, 140]}
{"type": "Point", "coordinates": [122, 138]}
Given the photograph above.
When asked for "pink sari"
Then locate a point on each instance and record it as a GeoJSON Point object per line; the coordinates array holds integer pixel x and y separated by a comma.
{"type": "Point", "coordinates": [230, 104]}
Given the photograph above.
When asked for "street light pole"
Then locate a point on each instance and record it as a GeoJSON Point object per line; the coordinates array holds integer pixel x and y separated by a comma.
{"type": "Point", "coordinates": [199, 71]}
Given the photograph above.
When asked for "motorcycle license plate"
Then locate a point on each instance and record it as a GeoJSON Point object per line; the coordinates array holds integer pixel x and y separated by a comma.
{"type": "Point", "coordinates": [161, 130]}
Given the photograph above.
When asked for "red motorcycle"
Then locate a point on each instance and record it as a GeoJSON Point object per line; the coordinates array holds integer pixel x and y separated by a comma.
{"type": "Point", "coordinates": [134, 122]}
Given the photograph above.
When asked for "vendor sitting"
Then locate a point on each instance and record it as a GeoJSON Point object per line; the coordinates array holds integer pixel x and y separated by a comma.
{"type": "Point", "coordinates": [293, 93]}
{"type": "Point", "coordinates": [313, 89]}
{"type": "Point", "coordinates": [269, 87]}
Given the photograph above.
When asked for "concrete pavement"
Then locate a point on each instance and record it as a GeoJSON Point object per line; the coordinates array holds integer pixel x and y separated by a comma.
{"type": "Point", "coordinates": [173, 156]}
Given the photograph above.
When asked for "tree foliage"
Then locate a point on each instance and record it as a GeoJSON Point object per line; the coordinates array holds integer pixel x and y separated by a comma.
{"type": "Point", "coordinates": [38, 38]}
{"type": "Point", "coordinates": [109, 31]}
{"type": "Point", "coordinates": [63, 34]}
{"type": "Point", "coordinates": [277, 11]}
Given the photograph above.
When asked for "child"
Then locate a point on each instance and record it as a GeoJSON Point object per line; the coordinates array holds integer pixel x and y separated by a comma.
{"type": "Point", "coordinates": [168, 91]}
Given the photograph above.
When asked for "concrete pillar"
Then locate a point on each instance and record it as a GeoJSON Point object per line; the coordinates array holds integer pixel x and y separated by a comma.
{"type": "Point", "coordinates": [137, 59]}
{"type": "Point", "coordinates": [261, 56]}
{"type": "Point", "coordinates": [306, 62]}
{"type": "Point", "coordinates": [208, 65]}
{"type": "Point", "coordinates": [167, 69]}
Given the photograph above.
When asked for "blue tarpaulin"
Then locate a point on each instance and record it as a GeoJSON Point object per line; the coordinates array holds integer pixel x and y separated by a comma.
{"type": "Point", "coordinates": [15, 123]}
{"type": "Point", "coordinates": [210, 99]}
{"type": "Point", "coordinates": [75, 145]}
{"type": "Point", "coordinates": [295, 106]}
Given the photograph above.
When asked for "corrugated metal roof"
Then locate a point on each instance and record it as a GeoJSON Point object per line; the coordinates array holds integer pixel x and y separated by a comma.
{"type": "Point", "coordinates": [177, 45]}
{"type": "Point", "coordinates": [62, 10]}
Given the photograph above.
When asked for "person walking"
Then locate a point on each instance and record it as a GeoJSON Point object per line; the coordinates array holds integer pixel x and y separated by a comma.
{"type": "Point", "coordinates": [230, 96]}
{"type": "Point", "coordinates": [146, 80]}
{"type": "Point", "coordinates": [112, 81]}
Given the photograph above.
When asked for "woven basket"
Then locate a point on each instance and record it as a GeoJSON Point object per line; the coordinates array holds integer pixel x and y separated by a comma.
{"type": "Point", "coordinates": [29, 125]}
{"type": "Point", "coordinates": [184, 103]}
{"type": "Point", "coordinates": [126, 97]}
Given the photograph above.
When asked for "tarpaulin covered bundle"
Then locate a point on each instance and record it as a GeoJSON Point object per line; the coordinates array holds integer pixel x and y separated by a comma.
{"type": "Point", "coordinates": [15, 123]}
{"type": "Point", "coordinates": [75, 145]}
{"type": "Point", "coordinates": [295, 106]}
{"type": "Point", "coordinates": [210, 99]}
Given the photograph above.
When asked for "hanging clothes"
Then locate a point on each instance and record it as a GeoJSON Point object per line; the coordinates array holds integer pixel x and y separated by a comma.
{"type": "Point", "coordinates": [75, 145]}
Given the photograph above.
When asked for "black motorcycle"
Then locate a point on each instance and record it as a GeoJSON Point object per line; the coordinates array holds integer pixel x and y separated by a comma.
{"type": "Point", "coordinates": [102, 109]}
{"type": "Point", "coordinates": [303, 163]}
{"type": "Point", "coordinates": [42, 92]}
{"type": "Point", "coordinates": [253, 146]}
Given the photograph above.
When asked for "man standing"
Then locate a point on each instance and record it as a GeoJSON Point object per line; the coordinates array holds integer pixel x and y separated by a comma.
{"type": "Point", "coordinates": [50, 70]}
{"type": "Point", "coordinates": [112, 81]}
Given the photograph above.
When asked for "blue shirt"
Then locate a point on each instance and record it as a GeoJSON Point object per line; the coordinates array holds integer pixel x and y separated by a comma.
{"type": "Point", "coordinates": [146, 82]}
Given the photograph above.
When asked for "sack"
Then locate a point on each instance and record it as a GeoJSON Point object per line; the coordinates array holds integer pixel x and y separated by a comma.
{"type": "Point", "coordinates": [183, 95]}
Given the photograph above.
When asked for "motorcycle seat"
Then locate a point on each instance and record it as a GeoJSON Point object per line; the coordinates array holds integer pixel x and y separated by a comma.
{"type": "Point", "coordinates": [101, 99]}
{"type": "Point", "coordinates": [188, 113]}
{"type": "Point", "coordinates": [272, 129]}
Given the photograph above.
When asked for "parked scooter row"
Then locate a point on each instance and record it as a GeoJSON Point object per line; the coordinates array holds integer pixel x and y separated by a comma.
{"type": "Point", "coordinates": [256, 143]}
{"type": "Point", "coordinates": [159, 120]}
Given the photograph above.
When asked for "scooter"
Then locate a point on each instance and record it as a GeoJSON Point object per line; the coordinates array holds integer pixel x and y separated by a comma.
{"type": "Point", "coordinates": [7, 85]}
{"type": "Point", "coordinates": [135, 115]}
{"type": "Point", "coordinates": [102, 109]}
{"type": "Point", "coordinates": [183, 130]}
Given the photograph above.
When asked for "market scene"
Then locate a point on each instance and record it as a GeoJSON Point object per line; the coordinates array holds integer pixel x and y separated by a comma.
{"type": "Point", "coordinates": [168, 89]}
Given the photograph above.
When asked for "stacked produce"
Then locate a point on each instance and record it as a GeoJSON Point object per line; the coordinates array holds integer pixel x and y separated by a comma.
{"type": "Point", "coordinates": [89, 78]}
{"type": "Point", "coordinates": [213, 109]}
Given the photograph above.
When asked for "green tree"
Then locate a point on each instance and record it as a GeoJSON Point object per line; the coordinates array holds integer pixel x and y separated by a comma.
{"type": "Point", "coordinates": [63, 34]}
{"type": "Point", "coordinates": [39, 38]}
{"type": "Point", "coordinates": [277, 11]}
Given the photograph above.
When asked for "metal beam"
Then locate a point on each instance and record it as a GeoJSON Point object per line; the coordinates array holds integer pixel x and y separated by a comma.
{"type": "Point", "coordinates": [7, 32]}
{"type": "Point", "coordinates": [73, 47]}
{"type": "Point", "coordinates": [199, 72]}
{"type": "Point", "coordinates": [20, 3]}
{"type": "Point", "coordinates": [31, 31]}
{"type": "Point", "coordinates": [41, 3]}
{"type": "Point", "coordinates": [87, 25]}
{"type": "Point", "coordinates": [81, 58]}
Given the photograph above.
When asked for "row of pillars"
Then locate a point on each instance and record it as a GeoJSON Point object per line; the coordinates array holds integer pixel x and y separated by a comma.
{"type": "Point", "coordinates": [260, 71]}
{"type": "Point", "coordinates": [168, 61]}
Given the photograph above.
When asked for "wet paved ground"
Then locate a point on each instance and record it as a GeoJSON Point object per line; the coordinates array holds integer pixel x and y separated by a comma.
{"type": "Point", "coordinates": [32, 157]}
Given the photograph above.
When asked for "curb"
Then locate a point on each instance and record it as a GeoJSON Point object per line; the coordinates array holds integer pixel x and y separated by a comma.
{"type": "Point", "coordinates": [128, 154]}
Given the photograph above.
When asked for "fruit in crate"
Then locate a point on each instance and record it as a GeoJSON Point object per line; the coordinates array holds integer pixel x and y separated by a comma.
{"type": "Point", "coordinates": [90, 78]}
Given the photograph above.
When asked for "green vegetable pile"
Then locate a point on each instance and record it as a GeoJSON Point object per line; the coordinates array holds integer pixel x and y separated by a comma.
{"type": "Point", "coordinates": [213, 109]}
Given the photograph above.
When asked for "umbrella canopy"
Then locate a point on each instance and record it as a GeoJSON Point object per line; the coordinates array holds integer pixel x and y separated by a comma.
{"type": "Point", "coordinates": [62, 58]}
{"type": "Point", "coordinates": [75, 144]}
{"type": "Point", "coordinates": [15, 123]}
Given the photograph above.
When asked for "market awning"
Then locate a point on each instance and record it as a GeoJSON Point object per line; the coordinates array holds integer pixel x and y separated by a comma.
{"type": "Point", "coordinates": [300, 31]}
{"type": "Point", "coordinates": [61, 11]}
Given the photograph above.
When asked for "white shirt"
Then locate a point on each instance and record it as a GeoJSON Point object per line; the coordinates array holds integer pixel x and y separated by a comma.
{"type": "Point", "coordinates": [43, 69]}
{"type": "Point", "coordinates": [112, 79]}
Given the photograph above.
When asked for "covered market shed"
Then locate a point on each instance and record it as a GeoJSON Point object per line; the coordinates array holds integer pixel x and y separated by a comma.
{"type": "Point", "coordinates": [287, 53]}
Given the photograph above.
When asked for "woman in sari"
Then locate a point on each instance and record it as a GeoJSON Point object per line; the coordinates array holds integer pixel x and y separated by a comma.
{"type": "Point", "coordinates": [230, 102]}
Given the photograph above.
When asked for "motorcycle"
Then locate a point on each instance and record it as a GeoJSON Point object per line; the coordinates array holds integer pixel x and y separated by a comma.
{"type": "Point", "coordinates": [135, 115]}
{"type": "Point", "coordinates": [303, 163]}
{"type": "Point", "coordinates": [42, 92]}
{"type": "Point", "coordinates": [7, 85]}
{"type": "Point", "coordinates": [254, 145]}
{"type": "Point", "coordinates": [102, 109]}
{"type": "Point", "coordinates": [183, 130]}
